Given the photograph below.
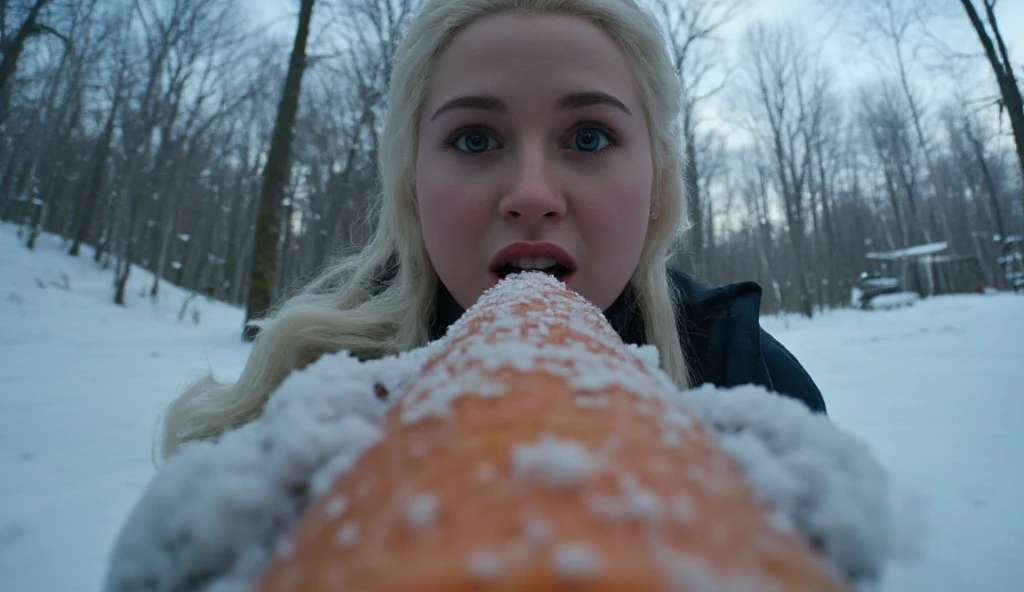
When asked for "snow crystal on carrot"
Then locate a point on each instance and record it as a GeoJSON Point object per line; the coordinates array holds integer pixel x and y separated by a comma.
{"type": "Point", "coordinates": [635, 503]}
{"type": "Point", "coordinates": [486, 472]}
{"type": "Point", "coordinates": [421, 511]}
{"type": "Point", "coordinates": [682, 508]}
{"type": "Point", "coordinates": [555, 462]}
{"type": "Point", "coordinates": [485, 565]}
{"type": "Point", "coordinates": [286, 548]}
{"type": "Point", "coordinates": [576, 561]}
{"type": "Point", "coordinates": [336, 506]}
{"type": "Point", "coordinates": [536, 529]}
{"type": "Point", "coordinates": [347, 535]}
{"type": "Point", "coordinates": [640, 502]}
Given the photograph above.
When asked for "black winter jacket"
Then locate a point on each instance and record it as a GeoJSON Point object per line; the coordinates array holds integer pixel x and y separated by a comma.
{"type": "Point", "coordinates": [720, 331]}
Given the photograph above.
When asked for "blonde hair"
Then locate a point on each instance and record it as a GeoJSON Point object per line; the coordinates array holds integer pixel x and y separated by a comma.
{"type": "Point", "coordinates": [380, 301]}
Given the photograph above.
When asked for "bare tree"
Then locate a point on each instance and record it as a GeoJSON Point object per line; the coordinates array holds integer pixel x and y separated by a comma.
{"type": "Point", "coordinates": [334, 164]}
{"type": "Point", "coordinates": [974, 174]}
{"type": "Point", "coordinates": [754, 186]}
{"type": "Point", "coordinates": [785, 88]}
{"type": "Point", "coordinates": [691, 27]}
{"type": "Point", "coordinates": [263, 273]}
{"type": "Point", "coordinates": [902, 28]}
{"type": "Point", "coordinates": [13, 48]}
{"type": "Point", "coordinates": [1002, 67]}
{"type": "Point", "coordinates": [826, 157]}
{"type": "Point", "coordinates": [715, 194]}
{"type": "Point", "coordinates": [887, 124]}
{"type": "Point", "coordinates": [114, 53]}
{"type": "Point", "coordinates": [63, 108]}
{"type": "Point", "coordinates": [177, 38]}
{"type": "Point", "coordinates": [98, 171]}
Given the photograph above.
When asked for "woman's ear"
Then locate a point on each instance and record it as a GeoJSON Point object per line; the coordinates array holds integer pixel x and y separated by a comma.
{"type": "Point", "coordinates": [662, 179]}
{"type": "Point", "coordinates": [655, 209]}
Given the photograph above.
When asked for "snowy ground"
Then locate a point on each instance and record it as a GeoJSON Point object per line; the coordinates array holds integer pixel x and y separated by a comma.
{"type": "Point", "coordinates": [936, 389]}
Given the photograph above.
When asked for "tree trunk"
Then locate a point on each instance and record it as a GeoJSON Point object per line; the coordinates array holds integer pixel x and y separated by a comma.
{"type": "Point", "coordinates": [12, 52]}
{"type": "Point", "coordinates": [128, 256]}
{"type": "Point", "coordinates": [1002, 67]}
{"type": "Point", "coordinates": [915, 115]}
{"type": "Point", "coordinates": [49, 131]}
{"type": "Point", "coordinates": [104, 244]}
{"type": "Point", "coordinates": [99, 170]}
{"type": "Point", "coordinates": [987, 183]}
{"type": "Point", "coordinates": [695, 231]}
{"type": "Point", "coordinates": [897, 209]}
{"type": "Point", "coordinates": [165, 245]}
{"type": "Point", "coordinates": [132, 196]}
{"type": "Point", "coordinates": [917, 231]}
{"type": "Point", "coordinates": [122, 277]}
{"type": "Point", "coordinates": [285, 252]}
{"type": "Point", "coordinates": [709, 233]}
{"type": "Point", "coordinates": [8, 202]}
{"type": "Point", "coordinates": [834, 297]}
{"type": "Point", "coordinates": [263, 273]}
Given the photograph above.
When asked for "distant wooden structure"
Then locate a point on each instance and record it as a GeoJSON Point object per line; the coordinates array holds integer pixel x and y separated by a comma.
{"type": "Point", "coordinates": [1011, 261]}
{"type": "Point", "coordinates": [926, 269]}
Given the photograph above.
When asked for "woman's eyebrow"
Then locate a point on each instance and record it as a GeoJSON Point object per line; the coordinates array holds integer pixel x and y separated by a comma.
{"type": "Point", "coordinates": [575, 100]}
{"type": "Point", "coordinates": [586, 99]}
{"type": "Point", "coordinates": [478, 102]}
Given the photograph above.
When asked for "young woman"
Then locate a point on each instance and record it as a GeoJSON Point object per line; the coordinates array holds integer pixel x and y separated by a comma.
{"type": "Point", "coordinates": [521, 134]}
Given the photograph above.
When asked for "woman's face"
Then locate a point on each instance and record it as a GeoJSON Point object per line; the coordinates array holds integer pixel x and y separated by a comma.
{"type": "Point", "coordinates": [534, 151]}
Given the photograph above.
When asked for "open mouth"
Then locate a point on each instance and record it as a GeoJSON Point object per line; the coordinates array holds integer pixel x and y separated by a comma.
{"type": "Point", "coordinates": [544, 257]}
{"type": "Point", "coordinates": [543, 265]}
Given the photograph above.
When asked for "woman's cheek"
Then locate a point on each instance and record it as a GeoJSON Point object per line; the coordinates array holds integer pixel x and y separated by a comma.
{"type": "Point", "coordinates": [451, 213]}
{"type": "Point", "coordinates": [623, 206]}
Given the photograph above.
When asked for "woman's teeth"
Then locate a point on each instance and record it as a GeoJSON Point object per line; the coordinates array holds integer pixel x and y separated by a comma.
{"type": "Point", "coordinates": [530, 263]}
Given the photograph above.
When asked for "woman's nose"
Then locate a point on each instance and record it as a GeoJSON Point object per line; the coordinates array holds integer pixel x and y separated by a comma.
{"type": "Point", "coordinates": [533, 194]}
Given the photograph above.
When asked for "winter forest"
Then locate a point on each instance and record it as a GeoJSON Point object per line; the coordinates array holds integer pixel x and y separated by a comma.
{"type": "Point", "coordinates": [172, 169]}
{"type": "Point", "coordinates": [233, 155]}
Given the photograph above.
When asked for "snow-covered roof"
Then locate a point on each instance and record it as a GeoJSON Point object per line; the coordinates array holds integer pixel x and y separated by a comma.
{"type": "Point", "coordinates": [915, 251]}
{"type": "Point", "coordinates": [882, 282]}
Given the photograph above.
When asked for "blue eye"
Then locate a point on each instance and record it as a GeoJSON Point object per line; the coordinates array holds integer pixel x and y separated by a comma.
{"type": "Point", "coordinates": [590, 140]}
{"type": "Point", "coordinates": [474, 142]}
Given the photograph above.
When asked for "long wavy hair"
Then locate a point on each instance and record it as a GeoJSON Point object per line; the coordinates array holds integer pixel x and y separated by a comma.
{"type": "Point", "coordinates": [380, 301]}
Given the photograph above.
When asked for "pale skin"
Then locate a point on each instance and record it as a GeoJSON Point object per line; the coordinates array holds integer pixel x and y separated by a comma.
{"type": "Point", "coordinates": [534, 132]}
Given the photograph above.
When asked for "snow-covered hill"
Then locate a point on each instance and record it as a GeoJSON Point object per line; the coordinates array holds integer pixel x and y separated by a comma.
{"type": "Point", "coordinates": [935, 389]}
{"type": "Point", "coordinates": [82, 382]}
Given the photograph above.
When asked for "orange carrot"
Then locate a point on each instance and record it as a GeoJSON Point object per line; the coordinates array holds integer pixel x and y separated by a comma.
{"type": "Point", "coordinates": [539, 453]}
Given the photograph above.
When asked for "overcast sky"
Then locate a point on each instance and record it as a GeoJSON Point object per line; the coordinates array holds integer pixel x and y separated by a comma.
{"type": "Point", "coordinates": [852, 60]}
{"type": "Point", "coordinates": [807, 12]}
{"type": "Point", "coordinates": [844, 52]}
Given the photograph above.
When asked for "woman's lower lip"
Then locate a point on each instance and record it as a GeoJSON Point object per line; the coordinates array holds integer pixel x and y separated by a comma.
{"type": "Point", "coordinates": [565, 279]}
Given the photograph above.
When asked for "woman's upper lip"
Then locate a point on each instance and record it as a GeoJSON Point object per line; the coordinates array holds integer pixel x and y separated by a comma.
{"type": "Point", "coordinates": [515, 251]}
